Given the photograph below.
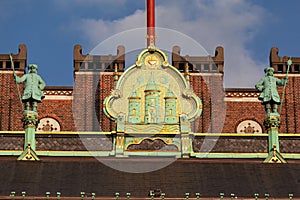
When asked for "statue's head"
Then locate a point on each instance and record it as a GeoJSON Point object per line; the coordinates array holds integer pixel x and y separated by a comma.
{"type": "Point", "coordinates": [269, 71]}
{"type": "Point", "coordinates": [32, 68]}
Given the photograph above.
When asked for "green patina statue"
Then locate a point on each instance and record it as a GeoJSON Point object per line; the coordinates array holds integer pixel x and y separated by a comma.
{"type": "Point", "coordinates": [34, 86]}
{"type": "Point", "coordinates": [269, 96]}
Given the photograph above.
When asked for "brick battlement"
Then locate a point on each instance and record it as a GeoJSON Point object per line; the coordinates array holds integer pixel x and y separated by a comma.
{"type": "Point", "coordinates": [20, 59]}
{"type": "Point", "coordinates": [202, 64]}
{"type": "Point", "coordinates": [87, 62]}
{"type": "Point", "coordinates": [280, 63]}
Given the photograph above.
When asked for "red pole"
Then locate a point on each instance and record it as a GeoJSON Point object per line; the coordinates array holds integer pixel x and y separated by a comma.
{"type": "Point", "coordinates": [150, 22]}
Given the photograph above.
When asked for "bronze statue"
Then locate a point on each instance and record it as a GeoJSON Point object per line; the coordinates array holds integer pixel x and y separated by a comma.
{"type": "Point", "coordinates": [34, 86]}
{"type": "Point", "coordinates": [269, 96]}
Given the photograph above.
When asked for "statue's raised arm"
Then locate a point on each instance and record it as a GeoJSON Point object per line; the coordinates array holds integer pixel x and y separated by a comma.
{"type": "Point", "coordinates": [269, 94]}
{"type": "Point", "coordinates": [33, 88]}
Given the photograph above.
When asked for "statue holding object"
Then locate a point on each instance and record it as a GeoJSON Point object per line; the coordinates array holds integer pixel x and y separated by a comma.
{"type": "Point", "coordinates": [270, 98]}
{"type": "Point", "coordinates": [269, 94]}
{"type": "Point", "coordinates": [33, 90]}
{"type": "Point", "coordinates": [32, 95]}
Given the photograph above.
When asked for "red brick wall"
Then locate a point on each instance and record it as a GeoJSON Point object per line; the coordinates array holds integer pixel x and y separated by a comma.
{"type": "Point", "coordinates": [200, 88]}
{"type": "Point", "coordinates": [106, 84]}
{"type": "Point", "coordinates": [88, 102]}
{"type": "Point", "coordinates": [290, 115]}
{"type": "Point", "coordinates": [11, 110]}
{"type": "Point", "coordinates": [296, 93]}
{"type": "Point", "coordinates": [60, 110]}
{"type": "Point", "coordinates": [89, 93]}
{"type": "Point", "coordinates": [10, 106]}
{"type": "Point", "coordinates": [210, 89]}
{"type": "Point", "coordinates": [83, 105]}
{"type": "Point", "coordinates": [236, 112]}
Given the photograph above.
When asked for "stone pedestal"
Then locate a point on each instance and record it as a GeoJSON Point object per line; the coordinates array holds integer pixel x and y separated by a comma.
{"type": "Point", "coordinates": [272, 124]}
{"type": "Point", "coordinates": [30, 122]}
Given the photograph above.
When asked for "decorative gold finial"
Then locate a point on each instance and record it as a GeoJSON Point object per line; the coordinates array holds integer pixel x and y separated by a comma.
{"type": "Point", "coordinates": [116, 75]}
{"type": "Point", "coordinates": [274, 150]}
{"type": "Point", "coordinates": [28, 155]}
{"type": "Point", "coordinates": [187, 73]}
{"type": "Point", "coordinates": [275, 158]}
{"type": "Point", "coordinates": [151, 39]}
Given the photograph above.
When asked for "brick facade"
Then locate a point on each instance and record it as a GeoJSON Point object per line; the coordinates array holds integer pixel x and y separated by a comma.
{"type": "Point", "coordinates": [80, 108]}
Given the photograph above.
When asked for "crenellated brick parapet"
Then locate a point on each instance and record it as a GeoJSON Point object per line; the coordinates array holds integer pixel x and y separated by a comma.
{"type": "Point", "coordinates": [102, 63]}
{"type": "Point", "coordinates": [19, 59]}
{"type": "Point", "coordinates": [279, 63]}
{"type": "Point", "coordinates": [202, 64]}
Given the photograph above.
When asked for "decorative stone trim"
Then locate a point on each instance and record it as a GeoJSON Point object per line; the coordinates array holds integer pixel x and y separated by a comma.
{"type": "Point", "coordinates": [242, 94]}
{"type": "Point", "coordinates": [48, 124]}
{"type": "Point", "coordinates": [249, 126]}
{"type": "Point", "coordinates": [58, 92]}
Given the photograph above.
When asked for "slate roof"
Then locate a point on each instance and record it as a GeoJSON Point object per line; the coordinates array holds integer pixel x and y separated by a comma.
{"type": "Point", "coordinates": [70, 176]}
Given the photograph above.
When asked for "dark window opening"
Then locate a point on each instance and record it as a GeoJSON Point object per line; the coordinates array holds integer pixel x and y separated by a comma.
{"type": "Point", "coordinates": [280, 68]}
{"type": "Point", "coordinates": [17, 65]}
{"type": "Point", "coordinates": [108, 67]}
{"type": "Point", "coordinates": [81, 65]}
{"type": "Point", "coordinates": [214, 68]}
{"type": "Point", "coordinates": [8, 65]}
{"type": "Point", "coordinates": [206, 67]}
{"type": "Point", "coordinates": [190, 67]}
{"type": "Point", "coordinates": [90, 65]}
{"type": "Point", "coordinates": [1, 65]}
{"type": "Point", "coordinates": [296, 68]}
{"type": "Point", "coordinates": [198, 67]}
{"type": "Point", "coordinates": [181, 67]}
{"type": "Point", "coordinates": [97, 65]}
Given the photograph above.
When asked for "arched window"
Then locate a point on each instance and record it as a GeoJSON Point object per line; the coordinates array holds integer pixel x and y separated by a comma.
{"type": "Point", "coordinates": [48, 124]}
{"type": "Point", "coordinates": [249, 126]}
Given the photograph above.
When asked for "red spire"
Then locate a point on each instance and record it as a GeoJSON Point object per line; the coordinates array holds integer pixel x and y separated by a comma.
{"type": "Point", "coordinates": [150, 22]}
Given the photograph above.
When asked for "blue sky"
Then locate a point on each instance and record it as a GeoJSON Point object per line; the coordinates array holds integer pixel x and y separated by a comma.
{"type": "Point", "coordinates": [247, 29]}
